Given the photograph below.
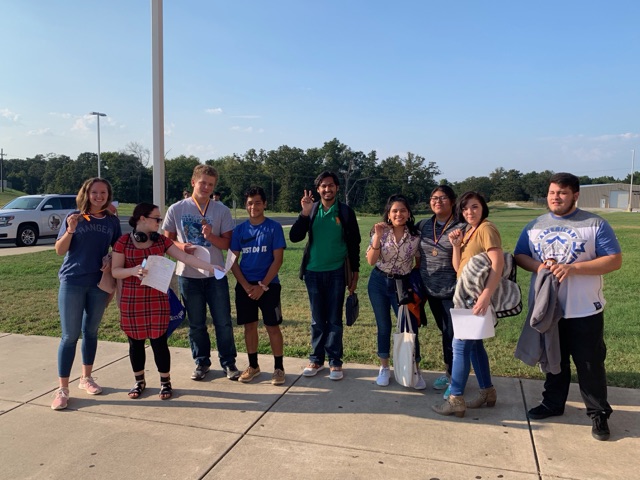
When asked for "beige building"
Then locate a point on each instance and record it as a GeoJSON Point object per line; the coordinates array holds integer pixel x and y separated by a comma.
{"type": "Point", "coordinates": [609, 195]}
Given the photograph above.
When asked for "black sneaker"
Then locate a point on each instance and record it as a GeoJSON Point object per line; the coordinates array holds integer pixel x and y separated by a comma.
{"type": "Point", "coordinates": [541, 411]}
{"type": "Point", "coordinates": [232, 372]}
{"type": "Point", "coordinates": [600, 429]}
{"type": "Point", "coordinates": [200, 372]}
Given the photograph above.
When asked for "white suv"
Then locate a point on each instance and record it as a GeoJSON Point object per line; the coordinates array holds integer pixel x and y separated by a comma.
{"type": "Point", "coordinates": [26, 219]}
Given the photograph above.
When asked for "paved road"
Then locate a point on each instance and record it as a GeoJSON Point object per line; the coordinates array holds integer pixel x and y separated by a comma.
{"type": "Point", "coordinates": [48, 243]}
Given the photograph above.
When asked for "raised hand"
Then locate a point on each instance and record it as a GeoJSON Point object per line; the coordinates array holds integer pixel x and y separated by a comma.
{"type": "Point", "coordinates": [207, 231]}
{"type": "Point", "coordinates": [379, 228]}
{"type": "Point", "coordinates": [307, 202]}
{"type": "Point", "coordinates": [72, 221]}
{"type": "Point", "coordinates": [455, 237]}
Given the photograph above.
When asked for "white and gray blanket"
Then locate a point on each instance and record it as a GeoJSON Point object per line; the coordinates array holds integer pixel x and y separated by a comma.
{"type": "Point", "coordinates": [506, 300]}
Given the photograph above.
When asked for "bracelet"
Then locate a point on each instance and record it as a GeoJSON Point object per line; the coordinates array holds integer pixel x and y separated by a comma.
{"type": "Point", "coordinates": [70, 233]}
{"type": "Point", "coordinates": [374, 248]}
{"type": "Point", "coordinates": [264, 287]}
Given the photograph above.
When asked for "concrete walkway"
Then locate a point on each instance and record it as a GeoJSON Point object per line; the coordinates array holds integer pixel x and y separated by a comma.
{"type": "Point", "coordinates": [310, 428]}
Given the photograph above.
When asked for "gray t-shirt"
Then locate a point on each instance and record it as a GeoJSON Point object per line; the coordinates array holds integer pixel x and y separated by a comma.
{"type": "Point", "coordinates": [437, 272]}
{"type": "Point", "coordinates": [184, 219]}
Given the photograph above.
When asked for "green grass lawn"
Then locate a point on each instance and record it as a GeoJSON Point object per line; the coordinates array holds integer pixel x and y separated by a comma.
{"type": "Point", "coordinates": [29, 286]}
{"type": "Point", "coordinates": [8, 195]}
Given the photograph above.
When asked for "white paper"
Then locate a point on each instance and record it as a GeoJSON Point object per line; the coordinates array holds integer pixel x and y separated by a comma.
{"type": "Point", "coordinates": [467, 326]}
{"type": "Point", "coordinates": [203, 254]}
{"type": "Point", "coordinates": [219, 272]}
{"type": "Point", "coordinates": [159, 272]}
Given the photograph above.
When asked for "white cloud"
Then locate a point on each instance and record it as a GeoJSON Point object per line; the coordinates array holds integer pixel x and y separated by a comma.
{"type": "Point", "coordinates": [39, 132]}
{"type": "Point", "coordinates": [82, 124]}
{"type": "Point", "coordinates": [9, 115]}
{"type": "Point", "coordinates": [87, 122]}
{"type": "Point", "coordinates": [249, 117]}
{"type": "Point", "coordinates": [214, 111]}
{"type": "Point", "coordinates": [592, 155]}
{"type": "Point", "coordinates": [169, 129]}
{"type": "Point", "coordinates": [587, 155]}
{"type": "Point", "coordinates": [237, 128]}
{"type": "Point", "coordinates": [607, 137]}
{"type": "Point", "coordinates": [199, 150]}
{"type": "Point", "coordinates": [616, 136]}
{"type": "Point", "coordinates": [61, 115]}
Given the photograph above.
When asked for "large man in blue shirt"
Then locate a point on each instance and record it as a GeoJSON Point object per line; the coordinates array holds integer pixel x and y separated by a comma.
{"type": "Point", "coordinates": [578, 247]}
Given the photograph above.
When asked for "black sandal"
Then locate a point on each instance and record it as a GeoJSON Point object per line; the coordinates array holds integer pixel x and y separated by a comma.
{"type": "Point", "coordinates": [137, 389]}
{"type": "Point", "coordinates": [166, 392]}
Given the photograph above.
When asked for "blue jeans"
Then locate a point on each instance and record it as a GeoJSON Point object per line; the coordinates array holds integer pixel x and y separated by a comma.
{"type": "Point", "coordinates": [466, 352]}
{"type": "Point", "coordinates": [326, 296]}
{"type": "Point", "coordinates": [197, 293]}
{"type": "Point", "coordinates": [81, 308]}
{"type": "Point", "coordinates": [382, 294]}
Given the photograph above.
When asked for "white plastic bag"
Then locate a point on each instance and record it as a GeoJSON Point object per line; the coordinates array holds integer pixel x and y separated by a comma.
{"type": "Point", "coordinates": [404, 348]}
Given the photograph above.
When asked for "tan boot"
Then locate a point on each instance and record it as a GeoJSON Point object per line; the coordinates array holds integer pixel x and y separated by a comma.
{"type": "Point", "coordinates": [454, 405]}
{"type": "Point", "coordinates": [484, 395]}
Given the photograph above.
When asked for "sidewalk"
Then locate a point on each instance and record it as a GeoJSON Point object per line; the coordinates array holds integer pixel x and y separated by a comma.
{"type": "Point", "coordinates": [310, 428]}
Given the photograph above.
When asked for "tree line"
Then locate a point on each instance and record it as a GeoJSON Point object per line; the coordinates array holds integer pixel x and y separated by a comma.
{"type": "Point", "coordinates": [365, 180]}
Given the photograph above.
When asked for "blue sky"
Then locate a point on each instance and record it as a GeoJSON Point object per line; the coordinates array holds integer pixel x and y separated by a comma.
{"type": "Point", "coordinates": [469, 85]}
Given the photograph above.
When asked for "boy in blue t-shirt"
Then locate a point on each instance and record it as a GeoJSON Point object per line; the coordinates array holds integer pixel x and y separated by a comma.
{"type": "Point", "coordinates": [261, 243]}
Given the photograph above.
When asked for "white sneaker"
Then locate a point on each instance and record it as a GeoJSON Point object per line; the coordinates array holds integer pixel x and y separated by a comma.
{"type": "Point", "coordinates": [312, 370]}
{"type": "Point", "coordinates": [383, 377]}
{"type": "Point", "coordinates": [420, 383]}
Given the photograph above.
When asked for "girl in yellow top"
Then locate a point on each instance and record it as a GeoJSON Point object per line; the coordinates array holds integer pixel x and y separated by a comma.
{"type": "Point", "coordinates": [479, 236]}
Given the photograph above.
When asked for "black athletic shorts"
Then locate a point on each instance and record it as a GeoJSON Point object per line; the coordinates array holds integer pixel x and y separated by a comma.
{"type": "Point", "coordinates": [268, 303]}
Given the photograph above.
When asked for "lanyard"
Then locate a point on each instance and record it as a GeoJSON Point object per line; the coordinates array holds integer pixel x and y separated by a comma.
{"type": "Point", "coordinates": [204, 214]}
{"type": "Point", "coordinates": [434, 252]}
{"type": "Point", "coordinates": [87, 216]}
{"type": "Point", "coordinates": [465, 241]}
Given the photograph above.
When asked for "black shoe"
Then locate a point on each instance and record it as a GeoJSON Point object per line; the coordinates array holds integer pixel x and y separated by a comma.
{"type": "Point", "coordinates": [232, 372]}
{"type": "Point", "coordinates": [541, 411]}
{"type": "Point", "coordinates": [200, 372]}
{"type": "Point", "coordinates": [600, 429]}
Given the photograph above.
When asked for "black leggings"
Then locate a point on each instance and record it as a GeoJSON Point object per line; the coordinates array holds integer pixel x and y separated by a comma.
{"type": "Point", "coordinates": [160, 354]}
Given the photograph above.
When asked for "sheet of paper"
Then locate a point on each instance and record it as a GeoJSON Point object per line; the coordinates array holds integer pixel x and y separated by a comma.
{"type": "Point", "coordinates": [467, 326]}
{"type": "Point", "coordinates": [219, 272]}
{"type": "Point", "coordinates": [159, 272]}
{"type": "Point", "coordinates": [203, 254]}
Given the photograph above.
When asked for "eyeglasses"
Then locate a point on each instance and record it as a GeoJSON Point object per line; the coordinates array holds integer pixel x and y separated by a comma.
{"type": "Point", "coordinates": [157, 219]}
{"type": "Point", "coordinates": [439, 199]}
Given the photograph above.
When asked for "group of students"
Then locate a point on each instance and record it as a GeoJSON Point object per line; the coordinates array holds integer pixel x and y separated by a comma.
{"type": "Point", "coordinates": [440, 247]}
{"type": "Point", "coordinates": [575, 248]}
{"type": "Point", "coordinates": [567, 250]}
{"type": "Point", "coordinates": [194, 222]}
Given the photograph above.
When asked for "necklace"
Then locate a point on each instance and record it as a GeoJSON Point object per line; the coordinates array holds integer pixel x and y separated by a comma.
{"type": "Point", "coordinates": [204, 214]}
{"type": "Point", "coordinates": [465, 240]}
{"type": "Point", "coordinates": [87, 216]}
{"type": "Point", "coordinates": [434, 252]}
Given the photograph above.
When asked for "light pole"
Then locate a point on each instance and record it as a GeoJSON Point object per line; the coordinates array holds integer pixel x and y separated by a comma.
{"type": "Point", "coordinates": [98, 115]}
{"type": "Point", "coordinates": [633, 158]}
